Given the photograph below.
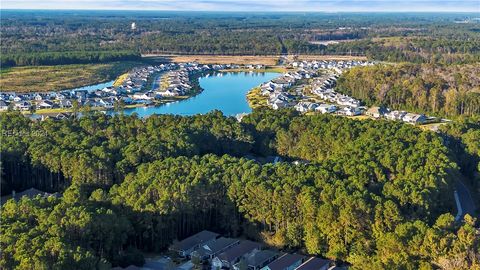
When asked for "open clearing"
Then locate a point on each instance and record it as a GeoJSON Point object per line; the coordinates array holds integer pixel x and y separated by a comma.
{"type": "Point", "coordinates": [54, 78]}
{"type": "Point", "coordinates": [243, 59]}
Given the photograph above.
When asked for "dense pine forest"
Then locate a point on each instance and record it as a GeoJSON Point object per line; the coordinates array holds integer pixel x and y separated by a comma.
{"type": "Point", "coordinates": [45, 37]}
{"type": "Point", "coordinates": [374, 194]}
{"type": "Point", "coordinates": [444, 90]}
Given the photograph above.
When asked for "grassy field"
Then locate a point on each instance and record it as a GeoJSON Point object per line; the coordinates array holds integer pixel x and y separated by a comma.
{"type": "Point", "coordinates": [255, 98]}
{"type": "Point", "coordinates": [53, 78]}
{"type": "Point", "coordinates": [120, 79]}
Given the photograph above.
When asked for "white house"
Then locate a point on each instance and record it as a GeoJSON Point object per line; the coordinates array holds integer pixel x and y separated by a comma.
{"type": "Point", "coordinates": [326, 108]}
{"type": "Point", "coordinates": [414, 118]}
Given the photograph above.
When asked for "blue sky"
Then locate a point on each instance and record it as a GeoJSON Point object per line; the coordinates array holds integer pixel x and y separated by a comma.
{"type": "Point", "coordinates": [251, 5]}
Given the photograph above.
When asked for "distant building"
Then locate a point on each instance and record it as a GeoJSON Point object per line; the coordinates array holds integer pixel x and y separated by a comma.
{"type": "Point", "coordinates": [134, 26]}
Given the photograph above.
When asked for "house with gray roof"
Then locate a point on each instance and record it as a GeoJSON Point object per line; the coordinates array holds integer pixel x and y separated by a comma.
{"type": "Point", "coordinates": [285, 262]}
{"type": "Point", "coordinates": [185, 247]}
{"type": "Point", "coordinates": [257, 260]}
{"type": "Point", "coordinates": [315, 263]}
{"type": "Point", "coordinates": [212, 249]}
{"type": "Point", "coordinates": [233, 255]}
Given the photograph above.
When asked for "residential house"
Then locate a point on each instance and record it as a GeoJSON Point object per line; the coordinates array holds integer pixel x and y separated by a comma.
{"type": "Point", "coordinates": [185, 247]}
{"type": "Point", "coordinates": [376, 112]}
{"type": "Point", "coordinates": [46, 104]}
{"type": "Point", "coordinates": [315, 263]}
{"type": "Point", "coordinates": [103, 102]}
{"type": "Point", "coordinates": [257, 260]}
{"type": "Point", "coordinates": [326, 108]}
{"type": "Point", "coordinates": [212, 249]}
{"type": "Point", "coordinates": [350, 111]}
{"type": "Point", "coordinates": [278, 104]}
{"type": "Point", "coordinates": [186, 266]}
{"type": "Point", "coordinates": [414, 118]}
{"type": "Point", "coordinates": [3, 105]}
{"type": "Point", "coordinates": [231, 256]}
{"type": "Point", "coordinates": [62, 116]}
{"type": "Point", "coordinates": [18, 98]}
{"type": "Point", "coordinates": [65, 103]}
{"type": "Point", "coordinates": [285, 262]}
{"type": "Point", "coordinates": [141, 96]}
{"type": "Point", "coordinates": [395, 115]}
{"type": "Point", "coordinates": [61, 96]}
{"type": "Point", "coordinates": [23, 106]}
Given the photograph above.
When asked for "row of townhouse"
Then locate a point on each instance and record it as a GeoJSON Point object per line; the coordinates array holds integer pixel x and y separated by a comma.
{"type": "Point", "coordinates": [382, 112]}
{"type": "Point", "coordinates": [138, 77]}
{"type": "Point", "coordinates": [338, 66]}
{"type": "Point", "coordinates": [177, 82]}
{"type": "Point", "coordinates": [229, 253]}
{"type": "Point", "coordinates": [129, 92]}
{"type": "Point", "coordinates": [277, 89]}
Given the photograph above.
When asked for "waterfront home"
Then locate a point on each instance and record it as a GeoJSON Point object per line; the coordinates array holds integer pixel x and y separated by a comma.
{"type": "Point", "coordinates": [414, 118]}
{"type": "Point", "coordinates": [103, 102]}
{"type": "Point", "coordinates": [141, 96]}
{"type": "Point", "coordinates": [185, 247]}
{"type": "Point", "coordinates": [3, 105]}
{"type": "Point", "coordinates": [81, 94]}
{"type": "Point", "coordinates": [257, 260]}
{"type": "Point", "coordinates": [233, 255]}
{"type": "Point", "coordinates": [212, 249]}
{"type": "Point", "coordinates": [278, 104]}
{"type": "Point", "coordinates": [326, 108]}
{"type": "Point", "coordinates": [285, 262]}
{"type": "Point", "coordinates": [376, 112]}
{"type": "Point", "coordinates": [315, 263]}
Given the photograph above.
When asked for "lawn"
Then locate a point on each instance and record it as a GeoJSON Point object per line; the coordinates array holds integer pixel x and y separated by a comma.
{"type": "Point", "coordinates": [54, 78]}
{"type": "Point", "coordinates": [255, 98]}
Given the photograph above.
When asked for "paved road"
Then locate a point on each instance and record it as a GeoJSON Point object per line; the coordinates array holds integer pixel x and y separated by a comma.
{"type": "Point", "coordinates": [156, 82]}
{"type": "Point", "coordinates": [464, 200]}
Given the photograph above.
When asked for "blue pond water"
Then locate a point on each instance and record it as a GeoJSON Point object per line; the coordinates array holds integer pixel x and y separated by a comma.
{"type": "Point", "coordinates": [222, 91]}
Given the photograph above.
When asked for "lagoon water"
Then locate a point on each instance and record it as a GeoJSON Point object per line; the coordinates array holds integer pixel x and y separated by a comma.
{"type": "Point", "coordinates": [221, 91]}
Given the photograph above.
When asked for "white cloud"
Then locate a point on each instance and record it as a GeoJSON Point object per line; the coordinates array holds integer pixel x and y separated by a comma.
{"type": "Point", "coordinates": [250, 5]}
